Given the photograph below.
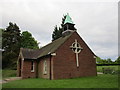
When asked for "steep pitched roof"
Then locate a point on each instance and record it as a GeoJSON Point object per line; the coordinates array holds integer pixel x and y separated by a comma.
{"type": "Point", "coordinates": [46, 50]}
{"type": "Point", "coordinates": [50, 48]}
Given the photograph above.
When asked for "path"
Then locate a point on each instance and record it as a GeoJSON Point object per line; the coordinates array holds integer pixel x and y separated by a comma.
{"type": "Point", "coordinates": [9, 79]}
{"type": "Point", "coordinates": [99, 72]}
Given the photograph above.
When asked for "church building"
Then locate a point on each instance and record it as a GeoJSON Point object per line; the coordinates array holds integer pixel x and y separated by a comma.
{"type": "Point", "coordinates": [66, 57]}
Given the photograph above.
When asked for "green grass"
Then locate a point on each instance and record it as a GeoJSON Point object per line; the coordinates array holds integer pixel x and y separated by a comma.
{"type": "Point", "coordinates": [12, 73]}
{"type": "Point", "coordinates": [100, 81]}
{"type": "Point", "coordinates": [0, 73]}
{"type": "Point", "coordinates": [99, 68]}
{"type": "Point", "coordinates": [8, 73]}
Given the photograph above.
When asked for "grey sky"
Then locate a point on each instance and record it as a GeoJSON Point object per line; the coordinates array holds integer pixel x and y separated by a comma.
{"type": "Point", "coordinates": [96, 21]}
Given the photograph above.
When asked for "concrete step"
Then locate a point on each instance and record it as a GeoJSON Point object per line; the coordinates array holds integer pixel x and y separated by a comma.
{"type": "Point", "coordinates": [10, 79]}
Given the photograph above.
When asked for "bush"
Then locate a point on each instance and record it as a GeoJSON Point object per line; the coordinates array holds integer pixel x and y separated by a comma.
{"type": "Point", "coordinates": [117, 72]}
{"type": "Point", "coordinates": [8, 73]}
{"type": "Point", "coordinates": [110, 71]}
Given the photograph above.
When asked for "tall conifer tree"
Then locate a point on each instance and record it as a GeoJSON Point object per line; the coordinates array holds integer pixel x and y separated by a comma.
{"type": "Point", "coordinates": [57, 33]}
{"type": "Point", "coordinates": [11, 45]}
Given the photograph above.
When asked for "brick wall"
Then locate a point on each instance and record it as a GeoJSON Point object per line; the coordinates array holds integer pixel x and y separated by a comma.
{"type": "Point", "coordinates": [26, 69]}
{"type": "Point", "coordinates": [64, 63]}
{"type": "Point", "coordinates": [41, 67]}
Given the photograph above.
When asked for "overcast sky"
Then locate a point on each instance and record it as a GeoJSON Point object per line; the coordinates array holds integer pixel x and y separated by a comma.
{"type": "Point", "coordinates": [96, 21]}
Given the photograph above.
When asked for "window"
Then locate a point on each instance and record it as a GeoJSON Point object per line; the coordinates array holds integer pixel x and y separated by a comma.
{"type": "Point", "coordinates": [32, 66]}
{"type": "Point", "coordinates": [76, 47]}
{"type": "Point", "coordinates": [45, 67]}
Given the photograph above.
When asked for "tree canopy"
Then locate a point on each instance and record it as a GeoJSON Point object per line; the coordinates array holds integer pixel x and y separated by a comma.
{"type": "Point", "coordinates": [12, 41]}
{"type": "Point", "coordinates": [57, 33]}
{"type": "Point", "coordinates": [27, 41]}
{"type": "Point", "coordinates": [117, 61]}
{"type": "Point", "coordinates": [107, 61]}
{"type": "Point", "coordinates": [11, 45]}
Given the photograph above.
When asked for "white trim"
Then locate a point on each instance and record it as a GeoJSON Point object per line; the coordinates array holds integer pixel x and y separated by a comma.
{"type": "Point", "coordinates": [32, 70]}
{"type": "Point", "coordinates": [49, 52]}
{"type": "Point", "coordinates": [53, 54]}
{"type": "Point", "coordinates": [74, 45]}
{"type": "Point", "coordinates": [67, 31]}
{"type": "Point", "coordinates": [77, 62]}
{"type": "Point", "coordinates": [94, 56]}
{"type": "Point", "coordinates": [21, 55]}
{"type": "Point", "coordinates": [78, 48]}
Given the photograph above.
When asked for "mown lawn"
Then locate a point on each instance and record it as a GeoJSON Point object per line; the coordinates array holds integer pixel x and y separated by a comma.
{"type": "Point", "coordinates": [100, 81]}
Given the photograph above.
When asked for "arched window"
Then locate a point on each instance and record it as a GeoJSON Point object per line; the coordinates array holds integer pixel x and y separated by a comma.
{"type": "Point", "coordinates": [32, 66]}
{"type": "Point", "coordinates": [76, 47]}
{"type": "Point", "coordinates": [45, 67]}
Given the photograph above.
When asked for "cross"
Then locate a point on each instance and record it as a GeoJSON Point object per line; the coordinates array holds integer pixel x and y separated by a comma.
{"type": "Point", "coordinates": [76, 49]}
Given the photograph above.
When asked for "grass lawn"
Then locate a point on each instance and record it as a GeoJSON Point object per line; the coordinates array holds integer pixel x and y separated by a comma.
{"type": "Point", "coordinates": [8, 73]}
{"type": "Point", "coordinates": [100, 81]}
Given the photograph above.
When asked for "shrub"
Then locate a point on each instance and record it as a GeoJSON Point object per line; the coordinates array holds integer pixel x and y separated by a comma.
{"type": "Point", "coordinates": [8, 73]}
{"type": "Point", "coordinates": [117, 72]}
{"type": "Point", "coordinates": [110, 71]}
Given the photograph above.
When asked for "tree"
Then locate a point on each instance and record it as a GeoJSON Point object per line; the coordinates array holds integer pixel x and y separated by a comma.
{"type": "Point", "coordinates": [27, 41]}
{"type": "Point", "coordinates": [11, 45]}
{"type": "Point", "coordinates": [12, 41]}
{"type": "Point", "coordinates": [117, 61]}
{"type": "Point", "coordinates": [1, 30]}
{"type": "Point", "coordinates": [103, 61]}
{"type": "Point", "coordinates": [109, 61]}
{"type": "Point", "coordinates": [98, 60]}
{"type": "Point", "coordinates": [57, 33]}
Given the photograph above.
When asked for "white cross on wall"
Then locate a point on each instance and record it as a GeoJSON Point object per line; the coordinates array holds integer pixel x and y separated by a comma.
{"type": "Point", "coordinates": [76, 49]}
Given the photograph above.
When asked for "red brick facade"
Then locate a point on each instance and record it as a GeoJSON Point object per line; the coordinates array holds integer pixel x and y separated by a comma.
{"type": "Point", "coordinates": [41, 68]}
{"type": "Point", "coordinates": [63, 64]}
{"type": "Point", "coordinates": [26, 69]}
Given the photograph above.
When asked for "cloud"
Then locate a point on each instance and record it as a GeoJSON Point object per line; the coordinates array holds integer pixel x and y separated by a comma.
{"type": "Point", "coordinates": [96, 22]}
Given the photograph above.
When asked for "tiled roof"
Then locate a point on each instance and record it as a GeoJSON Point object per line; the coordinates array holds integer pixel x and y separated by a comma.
{"type": "Point", "coordinates": [49, 48]}
{"type": "Point", "coordinates": [29, 53]}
